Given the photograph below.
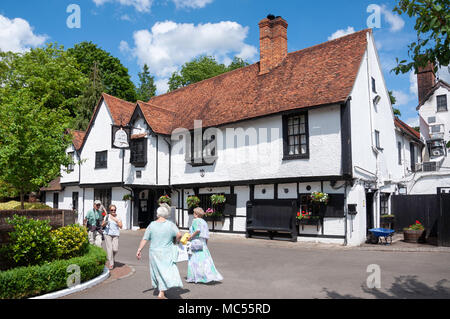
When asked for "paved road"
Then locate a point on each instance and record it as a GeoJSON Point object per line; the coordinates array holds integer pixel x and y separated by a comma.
{"type": "Point", "coordinates": [255, 268]}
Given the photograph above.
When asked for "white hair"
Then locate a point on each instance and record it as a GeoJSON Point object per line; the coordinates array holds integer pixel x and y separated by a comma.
{"type": "Point", "coordinates": [163, 211]}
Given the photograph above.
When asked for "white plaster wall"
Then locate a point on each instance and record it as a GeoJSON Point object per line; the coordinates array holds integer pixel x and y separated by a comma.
{"type": "Point", "coordinates": [429, 109]}
{"type": "Point", "coordinates": [291, 191]}
{"type": "Point", "coordinates": [123, 207]}
{"type": "Point", "coordinates": [427, 183]}
{"type": "Point", "coordinates": [74, 175]}
{"type": "Point", "coordinates": [246, 160]}
{"type": "Point", "coordinates": [366, 118]}
{"type": "Point", "coordinates": [356, 225]}
{"type": "Point", "coordinates": [99, 139]}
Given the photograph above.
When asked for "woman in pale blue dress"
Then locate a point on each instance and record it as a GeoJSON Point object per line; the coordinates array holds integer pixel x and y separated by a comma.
{"type": "Point", "coordinates": [201, 268]}
{"type": "Point", "coordinates": [163, 253]}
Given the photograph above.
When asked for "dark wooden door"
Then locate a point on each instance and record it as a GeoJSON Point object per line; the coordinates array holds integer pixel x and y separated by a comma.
{"type": "Point", "coordinates": [413, 156]}
{"type": "Point", "coordinates": [444, 220]}
{"type": "Point", "coordinates": [369, 211]}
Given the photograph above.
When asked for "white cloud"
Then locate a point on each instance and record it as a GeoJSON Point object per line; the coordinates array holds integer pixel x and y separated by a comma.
{"type": "Point", "coordinates": [402, 98]}
{"type": "Point", "coordinates": [17, 35]}
{"type": "Point", "coordinates": [168, 45]}
{"type": "Point", "coordinates": [413, 83]}
{"type": "Point", "coordinates": [341, 33]}
{"type": "Point", "coordinates": [139, 5]}
{"type": "Point", "coordinates": [395, 21]}
{"type": "Point", "coordinates": [412, 121]}
{"type": "Point", "coordinates": [191, 3]}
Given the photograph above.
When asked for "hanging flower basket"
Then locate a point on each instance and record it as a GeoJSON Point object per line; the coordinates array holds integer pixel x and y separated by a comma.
{"type": "Point", "coordinates": [164, 199]}
{"type": "Point", "coordinates": [320, 198]}
{"type": "Point", "coordinates": [213, 215]}
{"type": "Point", "coordinates": [193, 201]}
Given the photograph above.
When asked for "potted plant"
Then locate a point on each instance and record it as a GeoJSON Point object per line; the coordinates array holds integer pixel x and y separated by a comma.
{"type": "Point", "coordinates": [415, 233]}
{"type": "Point", "coordinates": [164, 199]}
{"type": "Point", "coordinates": [192, 202]}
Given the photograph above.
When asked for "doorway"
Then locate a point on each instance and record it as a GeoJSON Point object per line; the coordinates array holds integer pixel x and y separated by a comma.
{"type": "Point", "coordinates": [146, 208]}
{"type": "Point", "coordinates": [369, 211]}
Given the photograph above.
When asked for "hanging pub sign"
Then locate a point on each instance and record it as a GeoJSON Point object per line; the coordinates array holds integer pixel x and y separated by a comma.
{"type": "Point", "coordinates": [121, 136]}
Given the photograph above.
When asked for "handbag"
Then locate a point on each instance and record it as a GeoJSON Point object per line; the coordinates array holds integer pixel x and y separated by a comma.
{"type": "Point", "coordinates": [196, 245]}
{"type": "Point", "coordinates": [185, 238]}
{"type": "Point", "coordinates": [182, 253]}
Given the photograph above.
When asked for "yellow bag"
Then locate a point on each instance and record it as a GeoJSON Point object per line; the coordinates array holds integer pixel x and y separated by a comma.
{"type": "Point", "coordinates": [185, 238]}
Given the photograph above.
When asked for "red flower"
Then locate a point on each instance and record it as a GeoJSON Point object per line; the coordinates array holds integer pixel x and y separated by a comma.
{"type": "Point", "coordinates": [103, 214]}
{"type": "Point", "coordinates": [298, 213]}
{"type": "Point", "coordinates": [417, 222]}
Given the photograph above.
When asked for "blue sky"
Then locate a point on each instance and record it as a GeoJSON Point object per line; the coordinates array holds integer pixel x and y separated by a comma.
{"type": "Point", "coordinates": [166, 33]}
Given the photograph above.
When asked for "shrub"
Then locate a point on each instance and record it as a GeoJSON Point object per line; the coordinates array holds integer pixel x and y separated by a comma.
{"type": "Point", "coordinates": [31, 242]}
{"type": "Point", "coordinates": [71, 241]}
{"type": "Point", "coordinates": [15, 205]}
{"type": "Point", "coordinates": [24, 282]}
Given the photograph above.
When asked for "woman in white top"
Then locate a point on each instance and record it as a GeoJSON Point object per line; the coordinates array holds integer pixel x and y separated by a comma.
{"type": "Point", "coordinates": [112, 232]}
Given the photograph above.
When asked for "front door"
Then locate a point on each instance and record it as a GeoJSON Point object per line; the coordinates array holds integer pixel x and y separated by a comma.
{"type": "Point", "coordinates": [146, 208]}
{"type": "Point", "coordinates": [369, 211]}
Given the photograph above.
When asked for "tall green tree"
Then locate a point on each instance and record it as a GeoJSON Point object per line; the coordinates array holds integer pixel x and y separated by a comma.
{"type": "Point", "coordinates": [432, 27]}
{"type": "Point", "coordinates": [50, 75]}
{"type": "Point", "coordinates": [393, 101]}
{"type": "Point", "coordinates": [32, 141]}
{"type": "Point", "coordinates": [115, 76]}
{"type": "Point", "coordinates": [89, 99]}
{"type": "Point", "coordinates": [200, 69]}
{"type": "Point", "coordinates": [147, 87]}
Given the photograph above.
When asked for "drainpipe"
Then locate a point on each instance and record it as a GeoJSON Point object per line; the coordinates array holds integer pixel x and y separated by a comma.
{"type": "Point", "coordinates": [345, 213]}
{"type": "Point", "coordinates": [128, 189]}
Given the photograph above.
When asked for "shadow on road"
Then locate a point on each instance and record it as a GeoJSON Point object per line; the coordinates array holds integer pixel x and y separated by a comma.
{"type": "Point", "coordinates": [404, 287]}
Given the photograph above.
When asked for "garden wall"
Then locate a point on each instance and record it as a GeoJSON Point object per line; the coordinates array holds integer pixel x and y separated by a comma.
{"type": "Point", "coordinates": [57, 217]}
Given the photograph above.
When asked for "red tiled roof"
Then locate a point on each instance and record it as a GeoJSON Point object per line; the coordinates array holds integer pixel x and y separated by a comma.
{"type": "Point", "coordinates": [160, 120]}
{"type": "Point", "coordinates": [406, 128]}
{"type": "Point", "coordinates": [319, 75]}
{"type": "Point", "coordinates": [120, 110]}
{"type": "Point", "coordinates": [54, 185]}
{"type": "Point", "coordinates": [78, 138]}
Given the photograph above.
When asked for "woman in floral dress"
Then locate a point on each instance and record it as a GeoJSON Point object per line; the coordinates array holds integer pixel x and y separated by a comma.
{"type": "Point", "coordinates": [201, 267]}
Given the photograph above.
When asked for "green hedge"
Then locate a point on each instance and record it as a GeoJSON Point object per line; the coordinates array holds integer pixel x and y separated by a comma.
{"type": "Point", "coordinates": [24, 282]}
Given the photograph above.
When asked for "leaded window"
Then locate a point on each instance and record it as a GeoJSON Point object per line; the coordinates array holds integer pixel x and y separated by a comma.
{"type": "Point", "coordinates": [296, 136]}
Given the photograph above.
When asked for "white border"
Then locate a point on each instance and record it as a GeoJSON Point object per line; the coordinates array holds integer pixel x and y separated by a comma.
{"type": "Point", "coordinates": [77, 288]}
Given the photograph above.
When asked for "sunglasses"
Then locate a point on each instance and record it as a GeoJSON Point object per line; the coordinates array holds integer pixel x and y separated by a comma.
{"type": "Point", "coordinates": [112, 210]}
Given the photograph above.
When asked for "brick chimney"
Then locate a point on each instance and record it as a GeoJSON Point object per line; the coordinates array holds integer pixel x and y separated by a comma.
{"type": "Point", "coordinates": [273, 42]}
{"type": "Point", "coordinates": [426, 79]}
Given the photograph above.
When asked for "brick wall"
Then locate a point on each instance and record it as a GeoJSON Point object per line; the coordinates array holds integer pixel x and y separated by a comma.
{"type": "Point", "coordinates": [57, 218]}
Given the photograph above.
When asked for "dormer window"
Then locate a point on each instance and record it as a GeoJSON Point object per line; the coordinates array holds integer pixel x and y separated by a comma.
{"type": "Point", "coordinates": [138, 152]}
{"type": "Point", "coordinates": [295, 136]}
{"type": "Point", "coordinates": [441, 103]}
